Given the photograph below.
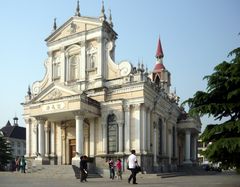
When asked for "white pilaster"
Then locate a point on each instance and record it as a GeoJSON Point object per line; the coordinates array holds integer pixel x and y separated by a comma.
{"type": "Point", "coordinates": [164, 139]}
{"type": "Point", "coordinates": [62, 65]}
{"type": "Point", "coordinates": [46, 129]}
{"type": "Point", "coordinates": [127, 128]}
{"type": "Point", "coordinates": [41, 142]}
{"type": "Point", "coordinates": [28, 136]}
{"type": "Point", "coordinates": [137, 127]}
{"type": "Point", "coordinates": [144, 129]}
{"type": "Point", "coordinates": [83, 61]}
{"type": "Point", "coordinates": [34, 139]}
{"type": "Point", "coordinates": [92, 137]}
{"type": "Point", "coordinates": [79, 135]}
{"type": "Point", "coordinates": [149, 130]}
{"type": "Point", "coordinates": [53, 143]}
{"type": "Point", "coordinates": [104, 129]}
{"type": "Point", "coordinates": [169, 145]}
{"type": "Point", "coordinates": [155, 145]}
{"type": "Point", "coordinates": [187, 147]}
{"type": "Point", "coordinates": [120, 136]}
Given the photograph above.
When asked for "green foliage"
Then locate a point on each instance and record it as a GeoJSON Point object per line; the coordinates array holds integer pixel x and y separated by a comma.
{"type": "Point", "coordinates": [221, 100]}
{"type": "Point", "coordinates": [5, 152]}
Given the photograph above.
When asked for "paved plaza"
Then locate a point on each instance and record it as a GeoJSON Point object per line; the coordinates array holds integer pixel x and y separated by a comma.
{"type": "Point", "coordinates": [30, 180]}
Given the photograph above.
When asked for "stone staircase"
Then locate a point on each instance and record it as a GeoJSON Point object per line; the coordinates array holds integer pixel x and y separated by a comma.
{"type": "Point", "coordinates": [186, 171]}
{"type": "Point", "coordinates": [58, 171]}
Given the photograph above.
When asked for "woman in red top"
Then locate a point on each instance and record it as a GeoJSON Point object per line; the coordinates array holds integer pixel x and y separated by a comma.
{"type": "Point", "coordinates": [119, 168]}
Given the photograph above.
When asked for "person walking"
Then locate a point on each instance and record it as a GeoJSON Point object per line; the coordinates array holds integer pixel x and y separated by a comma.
{"type": "Point", "coordinates": [111, 168]}
{"type": "Point", "coordinates": [17, 163]}
{"type": "Point", "coordinates": [83, 168]}
{"type": "Point", "coordinates": [119, 168]}
{"type": "Point", "coordinates": [132, 164]}
{"type": "Point", "coordinates": [22, 164]}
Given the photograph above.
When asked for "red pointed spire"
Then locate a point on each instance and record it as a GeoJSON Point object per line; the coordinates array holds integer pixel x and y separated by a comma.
{"type": "Point", "coordinates": [159, 53]}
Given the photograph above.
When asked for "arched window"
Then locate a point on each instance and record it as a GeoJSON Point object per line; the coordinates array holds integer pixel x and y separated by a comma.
{"type": "Point", "coordinates": [112, 134]}
{"type": "Point", "coordinates": [160, 138]}
{"type": "Point", "coordinates": [157, 80]}
{"type": "Point", "coordinates": [74, 68]}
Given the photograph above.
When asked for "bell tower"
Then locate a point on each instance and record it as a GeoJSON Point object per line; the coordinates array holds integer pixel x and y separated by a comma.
{"type": "Point", "coordinates": [161, 76]}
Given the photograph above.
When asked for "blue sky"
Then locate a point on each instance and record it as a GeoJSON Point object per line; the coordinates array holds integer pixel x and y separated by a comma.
{"type": "Point", "coordinates": [195, 36]}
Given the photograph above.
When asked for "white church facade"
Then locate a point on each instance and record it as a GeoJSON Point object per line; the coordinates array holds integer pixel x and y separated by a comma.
{"type": "Point", "coordinates": [87, 104]}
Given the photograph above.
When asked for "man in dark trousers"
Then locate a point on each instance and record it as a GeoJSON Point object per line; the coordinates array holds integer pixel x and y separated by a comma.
{"type": "Point", "coordinates": [83, 168]}
{"type": "Point", "coordinates": [132, 164]}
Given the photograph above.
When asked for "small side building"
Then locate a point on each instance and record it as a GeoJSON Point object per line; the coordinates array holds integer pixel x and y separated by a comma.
{"type": "Point", "coordinates": [16, 135]}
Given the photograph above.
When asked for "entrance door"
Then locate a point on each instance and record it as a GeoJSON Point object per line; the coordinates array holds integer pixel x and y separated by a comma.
{"type": "Point", "coordinates": [72, 149]}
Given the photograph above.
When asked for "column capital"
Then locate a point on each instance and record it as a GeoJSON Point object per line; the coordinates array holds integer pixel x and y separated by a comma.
{"type": "Point", "coordinates": [120, 124]}
{"type": "Point", "coordinates": [136, 106]}
{"type": "Point", "coordinates": [79, 114]}
{"type": "Point", "coordinates": [40, 120]}
{"type": "Point", "coordinates": [126, 107]}
{"type": "Point", "coordinates": [28, 120]}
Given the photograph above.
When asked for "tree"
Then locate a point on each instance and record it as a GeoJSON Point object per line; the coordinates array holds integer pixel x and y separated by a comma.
{"type": "Point", "coordinates": [221, 100]}
{"type": "Point", "coordinates": [5, 152]}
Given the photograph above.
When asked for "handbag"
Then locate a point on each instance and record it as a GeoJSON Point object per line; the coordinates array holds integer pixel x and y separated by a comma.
{"type": "Point", "coordinates": [138, 169]}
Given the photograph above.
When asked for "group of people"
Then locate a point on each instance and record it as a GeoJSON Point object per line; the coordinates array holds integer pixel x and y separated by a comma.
{"type": "Point", "coordinates": [20, 164]}
{"type": "Point", "coordinates": [131, 162]}
{"type": "Point", "coordinates": [112, 168]}
{"type": "Point", "coordinates": [132, 166]}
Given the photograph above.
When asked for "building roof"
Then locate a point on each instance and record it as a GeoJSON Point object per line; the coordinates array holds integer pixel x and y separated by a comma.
{"type": "Point", "coordinates": [14, 131]}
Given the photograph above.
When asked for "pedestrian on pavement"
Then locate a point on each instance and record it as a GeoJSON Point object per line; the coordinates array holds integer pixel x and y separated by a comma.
{"type": "Point", "coordinates": [111, 168]}
{"type": "Point", "coordinates": [17, 163]}
{"type": "Point", "coordinates": [83, 168]}
{"type": "Point", "coordinates": [119, 168]}
{"type": "Point", "coordinates": [132, 164]}
{"type": "Point", "coordinates": [22, 164]}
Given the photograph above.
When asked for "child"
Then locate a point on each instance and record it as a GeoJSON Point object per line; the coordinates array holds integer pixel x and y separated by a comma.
{"type": "Point", "coordinates": [119, 168]}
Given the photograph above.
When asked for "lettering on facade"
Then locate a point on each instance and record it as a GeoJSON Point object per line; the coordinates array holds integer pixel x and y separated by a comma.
{"type": "Point", "coordinates": [53, 107]}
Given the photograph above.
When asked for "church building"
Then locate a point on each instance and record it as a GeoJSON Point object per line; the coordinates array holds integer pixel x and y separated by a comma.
{"type": "Point", "coordinates": [88, 104]}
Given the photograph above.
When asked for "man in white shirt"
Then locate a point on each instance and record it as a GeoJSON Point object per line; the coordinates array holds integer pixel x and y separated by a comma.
{"type": "Point", "coordinates": [132, 163]}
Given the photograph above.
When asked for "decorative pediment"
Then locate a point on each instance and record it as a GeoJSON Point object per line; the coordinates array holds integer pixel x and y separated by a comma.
{"type": "Point", "coordinates": [53, 93]}
{"type": "Point", "coordinates": [73, 26]}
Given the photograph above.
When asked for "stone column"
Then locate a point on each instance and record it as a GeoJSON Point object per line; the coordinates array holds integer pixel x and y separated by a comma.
{"type": "Point", "coordinates": [53, 143]}
{"type": "Point", "coordinates": [47, 130]}
{"type": "Point", "coordinates": [169, 144]}
{"type": "Point", "coordinates": [194, 148]}
{"type": "Point", "coordinates": [41, 142]}
{"type": "Point", "coordinates": [187, 147]}
{"type": "Point", "coordinates": [120, 136]}
{"type": "Point", "coordinates": [127, 129]}
{"type": "Point", "coordinates": [104, 129]}
{"type": "Point", "coordinates": [35, 140]}
{"type": "Point", "coordinates": [92, 137]}
{"type": "Point", "coordinates": [149, 130]}
{"type": "Point", "coordinates": [79, 134]}
{"type": "Point", "coordinates": [155, 145]}
{"type": "Point", "coordinates": [83, 61]}
{"type": "Point", "coordinates": [28, 136]}
{"type": "Point", "coordinates": [144, 129]}
{"type": "Point", "coordinates": [164, 139]}
{"type": "Point", "coordinates": [137, 127]}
